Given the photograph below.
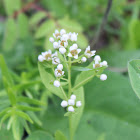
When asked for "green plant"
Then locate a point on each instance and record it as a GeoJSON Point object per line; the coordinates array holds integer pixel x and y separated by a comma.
{"type": "Point", "coordinates": [65, 56]}
{"type": "Point", "coordinates": [17, 108]}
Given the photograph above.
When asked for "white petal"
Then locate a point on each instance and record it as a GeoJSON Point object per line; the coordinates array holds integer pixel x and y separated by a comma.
{"type": "Point", "coordinates": [69, 54]}
{"type": "Point", "coordinates": [76, 56]}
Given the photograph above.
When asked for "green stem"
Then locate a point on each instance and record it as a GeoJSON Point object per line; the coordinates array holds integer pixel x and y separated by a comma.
{"type": "Point", "coordinates": [70, 128]}
{"type": "Point", "coordinates": [69, 76]}
{"type": "Point", "coordinates": [63, 93]}
{"type": "Point", "coordinates": [83, 82]}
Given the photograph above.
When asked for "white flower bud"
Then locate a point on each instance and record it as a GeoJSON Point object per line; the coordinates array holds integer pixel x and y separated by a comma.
{"type": "Point", "coordinates": [62, 31]}
{"type": "Point", "coordinates": [60, 66]}
{"type": "Point", "coordinates": [64, 103]}
{"type": "Point", "coordinates": [84, 59]}
{"type": "Point", "coordinates": [71, 102]}
{"type": "Point", "coordinates": [97, 58]}
{"type": "Point", "coordinates": [71, 109]}
{"type": "Point", "coordinates": [73, 97]}
{"type": "Point", "coordinates": [62, 50]}
{"type": "Point", "coordinates": [104, 63]}
{"type": "Point", "coordinates": [78, 103]}
{"type": "Point", "coordinates": [51, 39]}
{"type": "Point", "coordinates": [103, 77]}
{"type": "Point", "coordinates": [41, 58]}
{"type": "Point", "coordinates": [55, 45]}
{"type": "Point", "coordinates": [56, 83]}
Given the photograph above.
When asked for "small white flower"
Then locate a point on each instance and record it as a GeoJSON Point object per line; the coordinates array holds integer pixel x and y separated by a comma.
{"type": "Point", "coordinates": [73, 97]}
{"type": "Point", "coordinates": [74, 51]}
{"type": "Point", "coordinates": [54, 54]}
{"type": "Point", "coordinates": [97, 64]}
{"type": "Point", "coordinates": [73, 36]}
{"type": "Point", "coordinates": [104, 63]}
{"type": "Point", "coordinates": [78, 103]}
{"type": "Point", "coordinates": [89, 53]}
{"type": "Point", "coordinates": [64, 103]}
{"type": "Point", "coordinates": [103, 77]}
{"type": "Point", "coordinates": [51, 39]}
{"type": "Point", "coordinates": [55, 45]}
{"type": "Point", "coordinates": [83, 59]}
{"type": "Point", "coordinates": [71, 109]}
{"type": "Point", "coordinates": [41, 58]}
{"type": "Point", "coordinates": [65, 44]}
{"type": "Point", "coordinates": [71, 102]}
{"type": "Point", "coordinates": [64, 37]}
{"type": "Point", "coordinates": [56, 34]}
{"type": "Point", "coordinates": [58, 72]}
{"type": "Point", "coordinates": [47, 55]}
{"type": "Point", "coordinates": [55, 60]}
{"type": "Point", "coordinates": [97, 58]}
{"type": "Point", "coordinates": [60, 66]}
{"type": "Point", "coordinates": [56, 83]}
{"type": "Point", "coordinates": [62, 50]}
{"type": "Point", "coordinates": [62, 31]}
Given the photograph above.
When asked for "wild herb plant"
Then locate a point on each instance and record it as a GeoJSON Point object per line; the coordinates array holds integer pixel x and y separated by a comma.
{"type": "Point", "coordinates": [56, 68]}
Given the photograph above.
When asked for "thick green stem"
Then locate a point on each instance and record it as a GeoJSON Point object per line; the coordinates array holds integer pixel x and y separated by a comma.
{"type": "Point", "coordinates": [70, 128]}
{"type": "Point", "coordinates": [69, 76]}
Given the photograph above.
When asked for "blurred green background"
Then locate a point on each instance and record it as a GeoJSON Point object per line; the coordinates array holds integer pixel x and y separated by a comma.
{"type": "Point", "coordinates": [25, 28]}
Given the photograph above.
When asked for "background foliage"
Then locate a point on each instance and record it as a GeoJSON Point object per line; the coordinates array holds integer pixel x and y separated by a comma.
{"type": "Point", "coordinates": [111, 108]}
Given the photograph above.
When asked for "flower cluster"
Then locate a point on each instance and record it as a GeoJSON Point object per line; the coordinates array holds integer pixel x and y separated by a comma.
{"type": "Point", "coordinates": [71, 104]}
{"type": "Point", "coordinates": [65, 44]}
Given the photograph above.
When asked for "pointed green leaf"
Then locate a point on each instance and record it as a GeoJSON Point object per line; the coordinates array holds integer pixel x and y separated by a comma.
{"type": "Point", "coordinates": [17, 128]}
{"type": "Point", "coordinates": [48, 80]}
{"type": "Point", "coordinates": [45, 28]}
{"type": "Point", "coordinates": [134, 74]}
{"type": "Point", "coordinates": [59, 135]}
{"type": "Point", "coordinates": [75, 117]}
{"type": "Point", "coordinates": [39, 135]}
{"type": "Point", "coordinates": [30, 101]}
{"type": "Point", "coordinates": [24, 116]}
{"type": "Point", "coordinates": [28, 108]}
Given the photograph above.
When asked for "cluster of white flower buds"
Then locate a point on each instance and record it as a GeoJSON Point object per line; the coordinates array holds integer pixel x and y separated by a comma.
{"type": "Point", "coordinates": [65, 44]}
{"type": "Point", "coordinates": [97, 64]}
{"type": "Point", "coordinates": [71, 104]}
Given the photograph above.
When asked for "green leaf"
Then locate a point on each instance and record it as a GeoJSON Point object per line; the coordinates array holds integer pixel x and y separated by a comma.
{"type": "Point", "coordinates": [5, 71]}
{"type": "Point", "coordinates": [76, 116]}
{"type": "Point", "coordinates": [48, 80]}
{"type": "Point", "coordinates": [45, 28]}
{"type": "Point", "coordinates": [24, 116]}
{"type": "Point", "coordinates": [112, 108]}
{"type": "Point", "coordinates": [134, 74]}
{"type": "Point", "coordinates": [59, 135]}
{"type": "Point", "coordinates": [70, 25]}
{"type": "Point", "coordinates": [10, 35]}
{"type": "Point", "coordinates": [77, 68]}
{"type": "Point", "coordinates": [40, 135]}
{"type": "Point", "coordinates": [23, 26]}
{"type": "Point", "coordinates": [28, 108]}
{"type": "Point", "coordinates": [4, 111]}
{"type": "Point", "coordinates": [82, 41]}
{"type": "Point", "coordinates": [30, 101]}
{"type": "Point", "coordinates": [34, 118]}
{"type": "Point", "coordinates": [36, 18]}
{"type": "Point", "coordinates": [17, 128]}
{"type": "Point", "coordinates": [134, 34]}
{"type": "Point", "coordinates": [4, 118]}
{"type": "Point", "coordinates": [11, 7]}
